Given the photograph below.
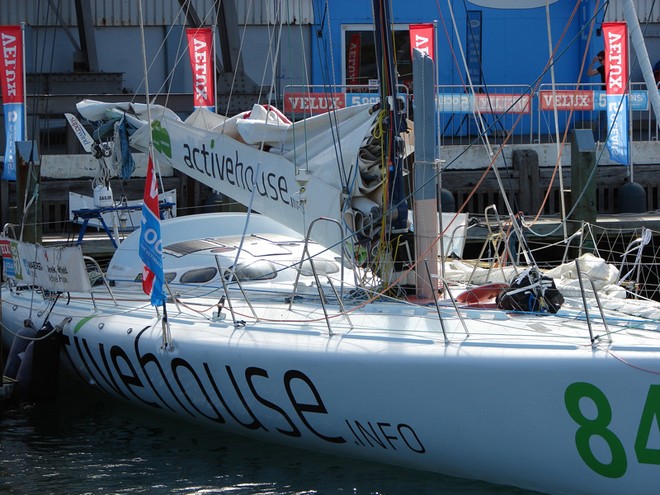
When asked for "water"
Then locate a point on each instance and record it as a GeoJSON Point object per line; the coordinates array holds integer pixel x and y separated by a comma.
{"type": "Point", "coordinates": [86, 443]}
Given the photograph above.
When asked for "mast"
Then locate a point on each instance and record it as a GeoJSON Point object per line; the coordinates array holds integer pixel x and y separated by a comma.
{"type": "Point", "coordinates": [425, 170]}
{"type": "Point", "coordinates": [394, 122]}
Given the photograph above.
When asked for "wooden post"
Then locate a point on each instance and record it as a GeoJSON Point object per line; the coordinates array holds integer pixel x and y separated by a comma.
{"type": "Point", "coordinates": [583, 180]}
{"type": "Point", "coordinates": [4, 203]}
{"type": "Point", "coordinates": [526, 161]}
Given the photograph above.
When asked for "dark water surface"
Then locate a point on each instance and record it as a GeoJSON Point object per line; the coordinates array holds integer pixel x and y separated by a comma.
{"type": "Point", "coordinates": [88, 443]}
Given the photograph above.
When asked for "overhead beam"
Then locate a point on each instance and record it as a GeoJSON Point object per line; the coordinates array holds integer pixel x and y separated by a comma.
{"type": "Point", "coordinates": [89, 60]}
{"type": "Point", "coordinates": [229, 38]}
{"type": "Point", "coordinates": [63, 25]}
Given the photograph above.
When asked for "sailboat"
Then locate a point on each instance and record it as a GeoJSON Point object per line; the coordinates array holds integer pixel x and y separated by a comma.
{"type": "Point", "coordinates": [295, 326]}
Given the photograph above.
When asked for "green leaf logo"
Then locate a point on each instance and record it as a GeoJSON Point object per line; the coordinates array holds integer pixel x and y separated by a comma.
{"type": "Point", "coordinates": [161, 139]}
{"type": "Point", "coordinates": [82, 322]}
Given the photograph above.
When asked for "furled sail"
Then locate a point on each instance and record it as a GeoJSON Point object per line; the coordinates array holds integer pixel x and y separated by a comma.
{"type": "Point", "coordinates": [327, 165]}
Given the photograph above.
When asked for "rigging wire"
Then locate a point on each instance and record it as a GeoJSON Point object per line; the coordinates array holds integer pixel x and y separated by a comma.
{"type": "Point", "coordinates": [562, 202]}
{"type": "Point", "coordinates": [535, 84]}
{"type": "Point", "coordinates": [564, 139]}
{"type": "Point", "coordinates": [522, 239]}
{"type": "Point", "coordinates": [329, 84]}
{"type": "Point", "coordinates": [240, 54]}
{"type": "Point", "coordinates": [493, 156]}
{"type": "Point", "coordinates": [228, 107]}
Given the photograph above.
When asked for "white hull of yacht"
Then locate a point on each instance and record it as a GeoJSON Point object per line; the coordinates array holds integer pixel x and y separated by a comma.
{"type": "Point", "coordinates": [523, 400]}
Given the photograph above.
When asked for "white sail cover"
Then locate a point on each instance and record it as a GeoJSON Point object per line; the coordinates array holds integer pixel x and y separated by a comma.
{"type": "Point", "coordinates": [291, 172]}
{"type": "Point", "coordinates": [327, 165]}
{"type": "Point", "coordinates": [136, 113]}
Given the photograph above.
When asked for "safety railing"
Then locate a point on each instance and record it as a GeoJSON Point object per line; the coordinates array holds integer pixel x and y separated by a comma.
{"type": "Point", "coordinates": [100, 274]}
{"type": "Point", "coordinates": [301, 101]}
{"type": "Point", "coordinates": [584, 107]}
{"type": "Point", "coordinates": [529, 116]}
{"type": "Point", "coordinates": [306, 255]}
{"type": "Point", "coordinates": [494, 110]}
{"type": "Point", "coordinates": [525, 115]}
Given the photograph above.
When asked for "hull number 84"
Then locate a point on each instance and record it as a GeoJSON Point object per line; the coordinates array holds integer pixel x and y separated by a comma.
{"type": "Point", "coordinates": [598, 425]}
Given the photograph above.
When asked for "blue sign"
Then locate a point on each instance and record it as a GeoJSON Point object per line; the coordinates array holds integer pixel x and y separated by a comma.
{"type": "Point", "coordinates": [617, 127]}
{"type": "Point", "coordinates": [14, 131]}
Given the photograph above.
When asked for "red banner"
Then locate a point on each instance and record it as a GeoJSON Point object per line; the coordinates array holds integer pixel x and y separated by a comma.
{"type": "Point", "coordinates": [11, 64]}
{"type": "Point", "coordinates": [615, 36]}
{"type": "Point", "coordinates": [313, 103]}
{"type": "Point", "coordinates": [422, 38]}
{"type": "Point", "coordinates": [502, 103]}
{"type": "Point", "coordinates": [353, 59]}
{"type": "Point", "coordinates": [200, 49]}
{"type": "Point", "coordinates": [566, 99]}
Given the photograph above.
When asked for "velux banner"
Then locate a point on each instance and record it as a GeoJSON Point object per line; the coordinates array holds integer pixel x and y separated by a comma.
{"type": "Point", "coordinates": [13, 94]}
{"type": "Point", "coordinates": [615, 35]}
{"type": "Point", "coordinates": [422, 38]}
{"type": "Point", "coordinates": [200, 49]}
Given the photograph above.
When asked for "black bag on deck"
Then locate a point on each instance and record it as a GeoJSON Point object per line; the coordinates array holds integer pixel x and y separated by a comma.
{"type": "Point", "coordinates": [531, 292]}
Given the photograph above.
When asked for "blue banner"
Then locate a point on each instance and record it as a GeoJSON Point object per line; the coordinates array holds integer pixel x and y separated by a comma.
{"type": "Point", "coordinates": [150, 251]}
{"type": "Point", "coordinates": [638, 100]}
{"type": "Point", "coordinates": [617, 127]}
{"type": "Point", "coordinates": [151, 245]}
{"type": "Point", "coordinates": [14, 131]}
{"type": "Point", "coordinates": [473, 44]}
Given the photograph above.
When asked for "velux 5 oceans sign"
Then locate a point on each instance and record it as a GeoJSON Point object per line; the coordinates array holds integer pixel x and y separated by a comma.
{"type": "Point", "coordinates": [616, 88]}
{"type": "Point", "coordinates": [13, 93]}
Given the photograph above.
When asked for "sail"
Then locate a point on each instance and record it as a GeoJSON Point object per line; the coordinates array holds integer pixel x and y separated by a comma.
{"type": "Point", "coordinates": [275, 166]}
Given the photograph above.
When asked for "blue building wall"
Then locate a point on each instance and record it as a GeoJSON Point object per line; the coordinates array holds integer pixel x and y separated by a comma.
{"type": "Point", "coordinates": [515, 42]}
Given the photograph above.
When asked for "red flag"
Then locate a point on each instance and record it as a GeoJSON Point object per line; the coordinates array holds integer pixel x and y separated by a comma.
{"type": "Point", "coordinates": [353, 63]}
{"type": "Point", "coordinates": [422, 37]}
{"type": "Point", "coordinates": [200, 49]}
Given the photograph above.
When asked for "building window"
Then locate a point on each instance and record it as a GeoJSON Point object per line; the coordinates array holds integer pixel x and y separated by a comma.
{"type": "Point", "coordinates": [359, 68]}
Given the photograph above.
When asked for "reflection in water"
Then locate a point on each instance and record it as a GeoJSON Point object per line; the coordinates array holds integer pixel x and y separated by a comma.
{"type": "Point", "coordinates": [87, 443]}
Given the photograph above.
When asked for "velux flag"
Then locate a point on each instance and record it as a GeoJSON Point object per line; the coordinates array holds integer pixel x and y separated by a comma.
{"type": "Point", "coordinates": [615, 35]}
{"type": "Point", "coordinates": [151, 246]}
{"type": "Point", "coordinates": [353, 60]}
{"type": "Point", "coordinates": [13, 94]}
{"type": "Point", "coordinates": [200, 44]}
{"type": "Point", "coordinates": [421, 37]}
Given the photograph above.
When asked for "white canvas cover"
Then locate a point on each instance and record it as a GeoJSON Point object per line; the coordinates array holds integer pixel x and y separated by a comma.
{"type": "Point", "coordinates": [60, 269]}
{"type": "Point", "coordinates": [327, 165]}
{"type": "Point", "coordinates": [294, 176]}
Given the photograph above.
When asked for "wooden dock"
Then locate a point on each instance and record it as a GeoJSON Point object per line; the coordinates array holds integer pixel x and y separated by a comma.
{"type": "Point", "coordinates": [548, 229]}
